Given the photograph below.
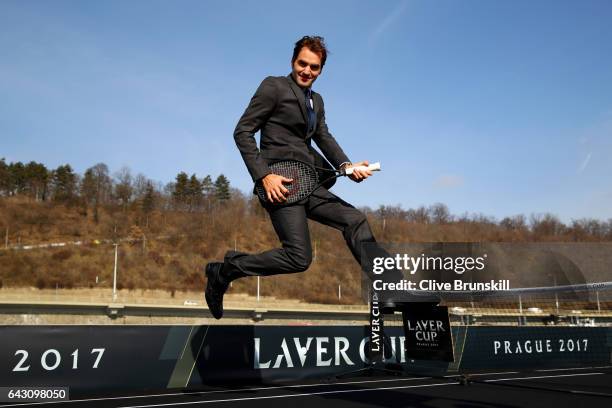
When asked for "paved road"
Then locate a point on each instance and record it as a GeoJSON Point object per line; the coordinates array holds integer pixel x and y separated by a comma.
{"type": "Point", "coordinates": [585, 388]}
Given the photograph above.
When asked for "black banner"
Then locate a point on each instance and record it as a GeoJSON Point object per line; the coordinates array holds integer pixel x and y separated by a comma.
{"type": "Point", "coordinates": [88, 358]}
{"type": "Point", "coordinates": [537, 347]}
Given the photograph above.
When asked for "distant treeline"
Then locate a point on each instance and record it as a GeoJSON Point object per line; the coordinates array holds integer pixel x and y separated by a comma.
{"type": "Point", "coordinates": [536, 227]}
{"type": "Point", "coordinates": [96, 187]}
{"type": "Point", "coordinates": [167, 233]}
{"type": "Point", "coordinates": [189, 193]}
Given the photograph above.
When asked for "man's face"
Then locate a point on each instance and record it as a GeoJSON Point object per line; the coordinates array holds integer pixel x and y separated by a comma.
{"type": "Point", "coordinates": [306, 67]}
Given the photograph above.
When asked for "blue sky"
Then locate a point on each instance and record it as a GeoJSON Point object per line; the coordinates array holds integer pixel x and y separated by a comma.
{"type": "Point", "coordinates": [493, 107]}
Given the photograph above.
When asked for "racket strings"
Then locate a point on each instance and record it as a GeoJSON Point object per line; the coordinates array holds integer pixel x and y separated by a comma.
{"type": "Point", "coordinates": [304, 178]}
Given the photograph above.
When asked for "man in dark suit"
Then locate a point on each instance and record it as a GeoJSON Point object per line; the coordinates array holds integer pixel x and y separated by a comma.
{"type": "Point", "coordinates": [290, 116]}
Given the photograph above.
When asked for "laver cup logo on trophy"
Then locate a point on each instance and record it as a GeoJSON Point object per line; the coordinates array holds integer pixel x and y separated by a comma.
{"type": "Point", "coordinates": [428, 333]}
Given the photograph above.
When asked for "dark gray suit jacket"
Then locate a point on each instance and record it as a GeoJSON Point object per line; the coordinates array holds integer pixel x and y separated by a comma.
{"type": "Point", "coordinates": [278, 110]}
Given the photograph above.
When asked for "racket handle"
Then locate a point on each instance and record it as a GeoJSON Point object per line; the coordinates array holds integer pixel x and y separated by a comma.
{"type": "Point", "coordinates": [371, 167]}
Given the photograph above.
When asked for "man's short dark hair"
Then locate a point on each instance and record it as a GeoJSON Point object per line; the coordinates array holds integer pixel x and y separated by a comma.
{"type": "Point", "coordinates": [315, 44]}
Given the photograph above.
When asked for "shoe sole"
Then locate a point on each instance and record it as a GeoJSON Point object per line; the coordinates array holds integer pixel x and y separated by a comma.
{"type": "Point", "coordinates": [208, 272]}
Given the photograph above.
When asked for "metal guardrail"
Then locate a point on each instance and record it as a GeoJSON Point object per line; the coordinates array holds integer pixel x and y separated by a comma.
{"type": "Point", "coordinates": [115, 310]}
{"type": "Point", "coordinates": [119, 310]}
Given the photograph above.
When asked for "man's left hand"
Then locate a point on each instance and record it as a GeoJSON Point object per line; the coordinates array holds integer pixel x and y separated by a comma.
{"type": "Point", "coordinates": [359, 175]}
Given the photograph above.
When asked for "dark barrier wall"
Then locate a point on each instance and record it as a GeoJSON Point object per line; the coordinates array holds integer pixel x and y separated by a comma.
{"type": "Point", "coordinates": [87, 358]}
{"type": "Point", "coordinates": [537, 347]}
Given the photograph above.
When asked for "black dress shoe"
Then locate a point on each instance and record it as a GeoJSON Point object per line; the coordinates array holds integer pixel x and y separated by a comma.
{"type": "Point", "coordinates": [215, 289]}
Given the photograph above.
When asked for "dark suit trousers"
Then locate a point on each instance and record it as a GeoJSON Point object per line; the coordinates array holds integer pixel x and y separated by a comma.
{"type": "Point", "coordinates": [291, 225]}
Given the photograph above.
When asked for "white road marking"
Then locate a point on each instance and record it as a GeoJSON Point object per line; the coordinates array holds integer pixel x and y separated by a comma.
{"type": "Point", "coordinates": [291, 395]}
{"type": "Point", "coordinates": [174, 394]}
{"type": "Point", "coordinates": [346, 391]}
{"type": "Point", "coordinates": [541, 376]}
{"type": "Point", "coordinates": [570, 369]}
{"type": "Point", "coordinates": [302, 386]}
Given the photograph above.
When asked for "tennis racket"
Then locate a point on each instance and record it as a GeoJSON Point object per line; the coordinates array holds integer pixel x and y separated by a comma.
{"type": "Point", "coordinates": [306, 179]}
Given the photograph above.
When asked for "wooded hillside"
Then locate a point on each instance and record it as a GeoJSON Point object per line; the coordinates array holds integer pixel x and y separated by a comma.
{"type": "Point", "coordinates": [167, 233]}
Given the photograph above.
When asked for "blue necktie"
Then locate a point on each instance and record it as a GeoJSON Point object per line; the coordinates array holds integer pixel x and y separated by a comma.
{"type": "Point", "coordinates": [310, 110]}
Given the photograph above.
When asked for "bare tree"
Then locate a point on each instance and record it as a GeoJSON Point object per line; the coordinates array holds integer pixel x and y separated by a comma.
{"type": "Point", "coordinates": [515, 223]}
{"type": "Point", "coordinates": [439, 214]}
{"type": "Point", "coordinates": [124, 188]}
{"type": "Point", "coordinates": [140, 185]}
{"type": "Point", "coordinates": [546, 225]}
{"type": "Point", "coordinates": [96, 187]}
{"type": "Point", "coordinates": [419, 215]}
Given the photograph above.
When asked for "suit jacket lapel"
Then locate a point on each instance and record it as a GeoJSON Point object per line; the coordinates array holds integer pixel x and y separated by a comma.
{"type": "Point", "coordinates": [317, 109]}
{"type": "Point", "coordinates": [299, 94]}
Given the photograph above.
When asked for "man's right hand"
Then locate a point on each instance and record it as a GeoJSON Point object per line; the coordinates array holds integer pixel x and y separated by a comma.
{"type": "Point", "coordinates": [275, 190]}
